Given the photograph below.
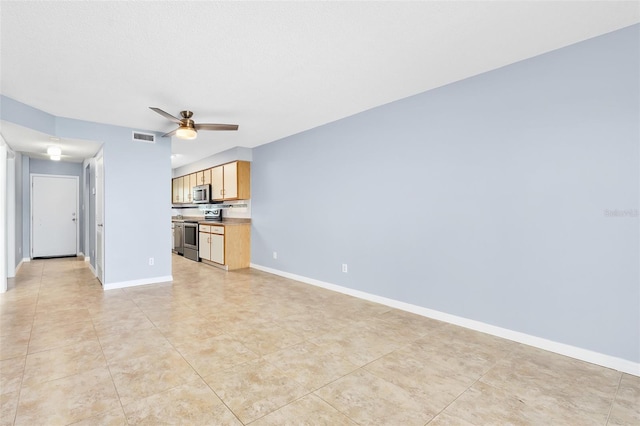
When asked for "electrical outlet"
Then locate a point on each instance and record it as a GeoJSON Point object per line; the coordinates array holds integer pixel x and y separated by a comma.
{"type": "Point", "coordinates": [275, 254]}
{"type": "Point", "coordinates": [344, 268]}
{"type": "Point", "coordinates": [151, 261]}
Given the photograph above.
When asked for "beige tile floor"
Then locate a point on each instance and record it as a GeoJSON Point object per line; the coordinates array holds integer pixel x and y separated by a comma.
{"type": "Point", "coordinates": [251, 348]}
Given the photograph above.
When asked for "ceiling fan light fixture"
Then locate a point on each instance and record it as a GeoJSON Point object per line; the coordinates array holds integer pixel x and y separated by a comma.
{"type": "Point", "coordinates": [185, 132]}
{"type": "Point", "coordinates": [54, 157]}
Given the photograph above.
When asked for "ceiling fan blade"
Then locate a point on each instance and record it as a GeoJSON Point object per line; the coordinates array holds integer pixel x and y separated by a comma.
{"type": "Point", "coordinates": [166, 115]}
{"type": "Point", "coordinates": [166, 135]}
{"type": "Point", "coordinates": [211, 126]}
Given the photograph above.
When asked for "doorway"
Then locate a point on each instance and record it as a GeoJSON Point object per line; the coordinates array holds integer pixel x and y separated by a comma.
{"type": "Point", "coordinates": [54, 216]}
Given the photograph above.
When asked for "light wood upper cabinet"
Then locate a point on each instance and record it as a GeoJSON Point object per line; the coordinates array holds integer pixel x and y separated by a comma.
{"type": "Point", "coordinates": [176, 189]}
{"type": "Point", "coordinates": [186, 189]}
{"type": "Point", "coordinates": [180, 184]}
{"type": "Point", "coordinates": [231, 181]}
{"type": "Point", "coordinates": [203, 177]}
{"type": "Point", "coordinates": [189, 181]}
{"type": "Point", "coordinates": [230, 172]}
{"type": "Point", "coordinates": [217, 185]}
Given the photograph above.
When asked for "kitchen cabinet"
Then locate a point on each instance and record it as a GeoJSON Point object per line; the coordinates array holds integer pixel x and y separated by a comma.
{"type": "Point", "coordinates": [203, 177]}
{"type": "Point", "coordinates": [225, 246]}
{"type": "Point", "coordinates": [204, 242]}
{"type": "Point", "coordinates": [176, 190]}
{"type": "Point", "coordinates": [193, 181]}
{"type": "Point", "coordinates": [188, 182]}
{"type": "Point", "coordinates": [211, 243]}
{"type": "Point", "coordinates": [231, 181]}
{"type": "Point", "coordinates": [217, 183]}
{"type": "Point", "coordinates": [186, 189]}
{"type": "Point", "coordinates": [217, 248]}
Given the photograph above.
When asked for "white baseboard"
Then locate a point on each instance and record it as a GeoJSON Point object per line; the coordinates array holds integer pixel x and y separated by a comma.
{"type": "Point", "coordinates": [17, 268]}
{"type": "Point", "coordinates": [593, 357]}
{"type": "Point", "coordinates": [22, 261]}
{"type": "Point", "coordinates": [134, 283]}
{"type": "Point", "coordinates": [93, 270]}
{"type": "Point", "coordinates": [87, 259]}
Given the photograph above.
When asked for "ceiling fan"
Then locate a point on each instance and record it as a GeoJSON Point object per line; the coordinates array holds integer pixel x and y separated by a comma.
{"type": "Point", "coordinates": [188, 128]}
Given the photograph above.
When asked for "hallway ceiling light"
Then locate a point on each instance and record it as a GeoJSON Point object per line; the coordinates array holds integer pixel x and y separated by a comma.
{"type": "Point", "coordinates": [54, 150]}
{"type": "Point", "coordinates": [54, 153]}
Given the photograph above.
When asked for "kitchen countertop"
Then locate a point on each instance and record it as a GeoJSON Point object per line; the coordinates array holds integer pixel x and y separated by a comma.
{"type": "Point", "coordinates": [225, 221]}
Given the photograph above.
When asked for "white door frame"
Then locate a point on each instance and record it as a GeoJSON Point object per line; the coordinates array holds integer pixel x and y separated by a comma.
{"type": "Point", "coordinates": [31, 176]}
{"type": "Point", "coordinates": [3, 216]}
{"type": "Point", "coordinates": [86, 208]}
{"type": "Point", "coordinates": [99, 214]}
{"type": "Point", "coordinates": [11, 214]}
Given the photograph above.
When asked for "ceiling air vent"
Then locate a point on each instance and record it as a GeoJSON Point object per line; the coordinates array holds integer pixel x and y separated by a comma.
{"type": "Point", "coordinates": [144, 137]}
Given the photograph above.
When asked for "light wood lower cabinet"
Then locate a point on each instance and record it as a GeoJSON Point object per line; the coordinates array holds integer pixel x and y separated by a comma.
{"type": "Point", "coordinates": [225, 246]}
{"type": "Point", "coordinates": [204, 245]}
{"type": "Point", "coordinates": [217, 248]}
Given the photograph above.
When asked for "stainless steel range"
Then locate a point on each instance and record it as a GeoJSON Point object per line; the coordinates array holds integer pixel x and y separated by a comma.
{"type": "Point", "coordinates": [213, 214]}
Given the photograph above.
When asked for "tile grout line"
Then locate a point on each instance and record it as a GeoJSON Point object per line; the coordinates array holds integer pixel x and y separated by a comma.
{"type": "Point", "coordinates": [472, 385]}
{"type": "Point", "coordinates": [113, 382]}
{"type": "Point", "coordinates": [24, 369]}
{"type": "Point", "coordinates": [613, 401]}
{"type": "Point", "coordinates": [185, 360]}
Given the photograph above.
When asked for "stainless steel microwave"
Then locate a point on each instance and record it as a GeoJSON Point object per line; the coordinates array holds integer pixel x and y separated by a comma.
{"type": "Point", "coordinates": [201, 194]}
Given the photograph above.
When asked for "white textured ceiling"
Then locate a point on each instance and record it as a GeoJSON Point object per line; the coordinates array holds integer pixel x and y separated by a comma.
{"type": "Point", "coordinates": [274, 68]}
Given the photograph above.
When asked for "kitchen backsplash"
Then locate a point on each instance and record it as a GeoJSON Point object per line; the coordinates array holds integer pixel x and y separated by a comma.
{"type": "Point", "coordinates": [238, 213]}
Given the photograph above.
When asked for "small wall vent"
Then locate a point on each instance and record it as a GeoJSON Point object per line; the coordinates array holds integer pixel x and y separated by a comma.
{"type": "Point", "coordinates": [144, 137]}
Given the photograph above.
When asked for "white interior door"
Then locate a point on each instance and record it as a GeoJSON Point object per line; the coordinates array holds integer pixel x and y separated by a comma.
{"type": "Point", "coordinates": [54, 215]}
{"type": "Point", "coordinates": [100, 217]}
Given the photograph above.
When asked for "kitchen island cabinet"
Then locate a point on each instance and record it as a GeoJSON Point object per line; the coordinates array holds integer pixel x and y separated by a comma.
{"type": "Point", "coordinates": [226, 246]}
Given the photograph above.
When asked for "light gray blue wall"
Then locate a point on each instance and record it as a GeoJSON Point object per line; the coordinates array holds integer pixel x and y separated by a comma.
{"type": "Point", "coordinates": [47, 167]}
{"type": "Point", "coordinates": [128, 166]}
{"type": "Point", "coordinates": [233, 154]}
{"type": "Point", "coordinates": [486, 199]}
